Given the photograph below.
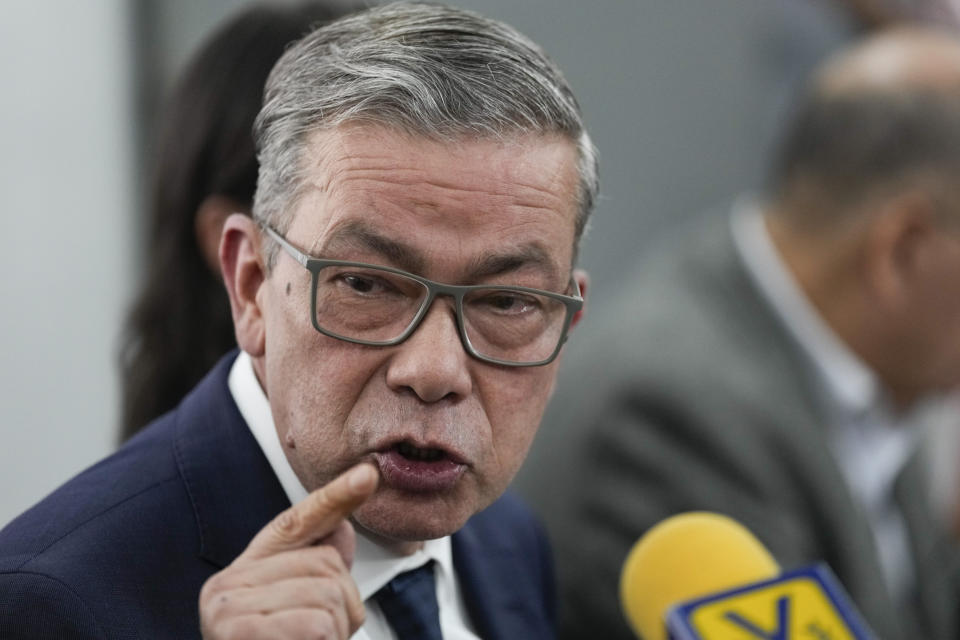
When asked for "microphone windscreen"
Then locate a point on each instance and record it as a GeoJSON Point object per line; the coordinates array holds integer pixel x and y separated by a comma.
{"type": "Point", "coordinates": [683, 557]}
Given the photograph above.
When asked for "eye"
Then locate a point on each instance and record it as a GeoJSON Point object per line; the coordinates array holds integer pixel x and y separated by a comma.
{"type": "Point", "coordinates": [363, 285]}
{"type": "Point", "coordinates": [508, 303]}
{"type": "Point", "coordinates": [366, 284]}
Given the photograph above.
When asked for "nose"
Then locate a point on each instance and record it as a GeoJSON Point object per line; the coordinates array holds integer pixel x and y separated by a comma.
{"type": "Point", "coordinates": [432, 362]}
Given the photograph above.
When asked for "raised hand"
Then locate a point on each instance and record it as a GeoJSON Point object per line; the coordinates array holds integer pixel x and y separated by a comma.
{"type": "Point", "coordinates": [293, 579]}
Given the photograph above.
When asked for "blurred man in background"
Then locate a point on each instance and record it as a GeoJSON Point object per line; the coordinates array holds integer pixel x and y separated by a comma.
{"type": "Point", "coordinates": [775, 365]}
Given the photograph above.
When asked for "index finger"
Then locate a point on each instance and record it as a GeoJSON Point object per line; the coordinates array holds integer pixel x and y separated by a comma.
{"type": "Point", "coordinates": [317, 515]}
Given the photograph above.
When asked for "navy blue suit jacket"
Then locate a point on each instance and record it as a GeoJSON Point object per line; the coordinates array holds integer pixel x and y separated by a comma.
{"type": "Point", "coordinates": [121, 550]}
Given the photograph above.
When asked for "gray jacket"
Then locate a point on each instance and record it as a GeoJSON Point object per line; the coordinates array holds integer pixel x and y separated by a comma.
{"type": "Point", "coordinates": [689, 394]}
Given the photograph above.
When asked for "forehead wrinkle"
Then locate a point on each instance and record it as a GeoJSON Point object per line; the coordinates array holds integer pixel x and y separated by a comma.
{"type": "Point", "coordinates": [359, 235]}
{"type": "Point", "coordinates": [443, 192]}
{"type": "Point", "coordinates": [532, 197]}
{"type": "Point", "coordinates": [385, 168]}
{"type": "Point", "coordinates": [337, 159]}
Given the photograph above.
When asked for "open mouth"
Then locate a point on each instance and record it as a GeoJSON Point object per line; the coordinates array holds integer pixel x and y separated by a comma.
{"type": "Point", "coordinates": [411, 452]}
{"type": "Point", "coordinates": [412, 468]}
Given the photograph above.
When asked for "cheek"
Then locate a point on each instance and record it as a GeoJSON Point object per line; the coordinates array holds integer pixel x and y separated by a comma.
{"type": "Point", "coordinates": [951, 332]}
{"type": "Point", "coordinates": [943, 302]}
{"type": "Point", "coordinates": [935, 327]}
{"type": "Point", "coordinates": [331, 379]}
{"type": "Point", "coordinates": [515, 410]}
{"type": "Point", "coordinates": [313, 383]}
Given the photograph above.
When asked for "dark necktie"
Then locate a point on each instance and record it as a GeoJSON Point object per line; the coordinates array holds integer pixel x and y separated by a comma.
{"type": "Point", "coordinates": [409, 602]}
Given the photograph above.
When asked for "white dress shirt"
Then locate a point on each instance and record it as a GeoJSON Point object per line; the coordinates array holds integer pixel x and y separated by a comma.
{"type": "Point", "coordinates": [869, 440]}
{"type": "Point", "coordinates": [373, 565]}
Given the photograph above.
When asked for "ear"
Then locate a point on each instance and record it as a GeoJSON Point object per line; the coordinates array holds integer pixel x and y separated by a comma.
{"type": "Point", "coordinates": [244, 274]}
{"type": "Point", "coordinates": [208, 226]}
{"type": "Point", "coordinates": [583, 281]}
{"type": "Point", "coordinates": [896, 244]}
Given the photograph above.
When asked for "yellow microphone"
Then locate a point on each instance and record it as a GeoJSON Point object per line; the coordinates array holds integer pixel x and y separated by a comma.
{"type": "Point", "coordinates": [704, 576]}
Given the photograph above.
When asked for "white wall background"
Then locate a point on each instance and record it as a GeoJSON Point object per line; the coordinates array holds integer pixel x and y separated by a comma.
{"type": "Point", "coordinates": [65, 255]}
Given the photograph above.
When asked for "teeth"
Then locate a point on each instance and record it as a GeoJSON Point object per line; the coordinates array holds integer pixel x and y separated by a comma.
{"type": "Point", "coordinates": [407, 450]}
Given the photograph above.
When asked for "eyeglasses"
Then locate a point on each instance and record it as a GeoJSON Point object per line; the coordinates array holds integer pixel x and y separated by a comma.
{"type": "Point", "coordinates": [381, 306]}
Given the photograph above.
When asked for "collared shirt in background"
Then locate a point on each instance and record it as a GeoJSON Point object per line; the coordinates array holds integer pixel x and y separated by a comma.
{"type": "Point", "coordinates": [869, 440]}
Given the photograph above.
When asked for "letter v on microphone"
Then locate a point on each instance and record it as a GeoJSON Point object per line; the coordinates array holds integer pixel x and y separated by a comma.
{"type": "Point", "coordinates": [806, 604]}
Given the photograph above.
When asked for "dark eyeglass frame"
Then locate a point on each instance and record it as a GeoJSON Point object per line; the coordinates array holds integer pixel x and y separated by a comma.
{"type": "Point", "coordinates": [572, 303]}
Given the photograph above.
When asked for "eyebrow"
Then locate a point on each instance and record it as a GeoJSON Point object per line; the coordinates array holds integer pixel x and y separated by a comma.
{"type": "Point", "coordinates": [526, 255]}
{"type": "Point", "coordinates": [358, 235]}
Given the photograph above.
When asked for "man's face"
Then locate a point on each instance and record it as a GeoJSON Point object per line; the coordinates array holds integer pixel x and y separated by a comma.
{"type": "Point", "coordinates": [468, 212]}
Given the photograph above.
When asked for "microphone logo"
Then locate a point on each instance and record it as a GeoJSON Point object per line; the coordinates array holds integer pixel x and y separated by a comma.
{"type": "Point", "coordinates": [806, 604]}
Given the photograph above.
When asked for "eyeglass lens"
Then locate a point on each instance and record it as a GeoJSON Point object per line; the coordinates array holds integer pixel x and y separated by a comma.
{"type": "Point", "coordinates": [373, 305]}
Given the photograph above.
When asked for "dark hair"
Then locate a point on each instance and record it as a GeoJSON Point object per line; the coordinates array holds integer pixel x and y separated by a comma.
{"type": "Point", "coordinates": [846, 145]}
{"type": "Point", "coordinates": [180, 323]}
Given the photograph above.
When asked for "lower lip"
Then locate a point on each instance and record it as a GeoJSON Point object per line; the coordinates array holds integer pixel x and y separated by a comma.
{"type": "Point", "coordinates": [418, 476]}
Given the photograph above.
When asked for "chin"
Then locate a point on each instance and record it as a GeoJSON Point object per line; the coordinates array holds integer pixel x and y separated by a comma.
{"type": "Point", "coordinates": [413, 518]}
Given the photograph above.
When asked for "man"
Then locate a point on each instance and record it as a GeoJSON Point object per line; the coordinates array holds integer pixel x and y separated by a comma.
{"type": "Point", "coordinates": [774, 365]}
{"type": "Point", "coordinates": [400, 296]}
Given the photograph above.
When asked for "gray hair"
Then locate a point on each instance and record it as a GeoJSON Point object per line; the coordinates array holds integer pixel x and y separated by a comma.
{"type": "Point", "coordinates": [424, 69]}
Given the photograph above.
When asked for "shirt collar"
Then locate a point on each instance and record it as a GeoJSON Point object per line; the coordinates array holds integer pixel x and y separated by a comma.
{"type": "Point", "coordinates": [871, 441]}
{"type": "Point", "coordinates": [850, 384]}
{"type": "Point", "coordinates": [373, 565]}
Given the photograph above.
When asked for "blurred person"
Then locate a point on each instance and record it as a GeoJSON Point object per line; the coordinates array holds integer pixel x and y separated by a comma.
{"type": "Point", "coordinates": [400, 295]}
{"type": "Point", "coordinates": [887, 13]}
{"type": "Point", "coordinates": [941, 439]}
{"type": "Point", "coordinates": [776, 364]}
{"type": "Point", "coordinates": [206, 169]}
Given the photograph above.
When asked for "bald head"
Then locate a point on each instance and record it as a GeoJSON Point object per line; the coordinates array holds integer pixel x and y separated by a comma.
{"type": "Point", "coordinates": [877, 117]}
{"type": "Point", "coordinates": [899, 60]}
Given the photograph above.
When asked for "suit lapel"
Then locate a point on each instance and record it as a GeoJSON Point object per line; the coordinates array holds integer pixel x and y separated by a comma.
{"type": "Point", "coordinates": [231, 485]}
{"type": "Point", "coordinates": [794, 399]}
{"type": "Point", "coordinates": [934, 554]}
{"type": "Point", "coordinates": [488, 577]}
